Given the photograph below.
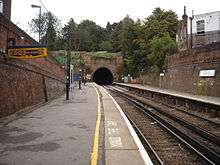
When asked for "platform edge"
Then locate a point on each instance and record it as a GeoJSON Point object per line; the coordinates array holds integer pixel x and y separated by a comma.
{"type": "Point", "coordinates": [141, 149]}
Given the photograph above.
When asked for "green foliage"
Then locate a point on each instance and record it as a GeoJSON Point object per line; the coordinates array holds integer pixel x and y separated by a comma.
{"type": "Point", "coordinates": [49, 28]}
{"type": "Point", "coordinates": [160, 47]}
{"type": "Point", "coordinates": [106, 45]}
{"type": "Point", "coordinates": [130, 66]}
{"type": "Point", "coordinates": [51, 34]}
{"type": "Point", "coordinates": [69, 35]}
{"type": "Point", "coordinates": [160, 22]}
{"type": "Point", "coordinates": [103, 54]}
{"type": "Point", "coordinates": [77, 60]}
{"type": "Point", "coordinates": [144, 44]}
{"type": "Point", "coordinates": [86, 36]}
{"type": "Point", "coordinates": [61, 59]}
{"type": "Point", "coordinates": [113, 33]}
{"type": "Point", "coordinates": [134, 46]}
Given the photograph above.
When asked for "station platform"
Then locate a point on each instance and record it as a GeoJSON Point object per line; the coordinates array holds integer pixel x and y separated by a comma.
{"type": "Point", "coordinates": [200, 98]}
{"type": "Point", "coordinates": [90, 128]}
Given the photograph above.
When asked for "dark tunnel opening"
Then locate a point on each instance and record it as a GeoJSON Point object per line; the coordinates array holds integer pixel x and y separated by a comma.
{"type": "Point", "coordinates": [103, 76]}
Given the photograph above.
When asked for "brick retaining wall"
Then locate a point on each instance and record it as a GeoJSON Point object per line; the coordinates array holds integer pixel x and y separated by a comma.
{"type": "Point", "coordinates": [183, 68]}
{"type": "Point", "coordinates": [25, 82]}
{"type": "Point", "coordinates": [28, 82]}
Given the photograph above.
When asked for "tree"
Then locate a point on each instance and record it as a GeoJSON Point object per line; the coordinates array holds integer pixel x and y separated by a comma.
{"type": "Point", "coordinates": [94, 35]}
{"type": "Point", "coordinates": [113, 35]}
{"type": "Point", "coordinates": [134, 46]}
{"type": "Point", "coordinates": [106, 45]}
{"type": "Point", "coordinates": [69, 35]}
{"type": "Point", "coordinates": [51, 34]}
{"type": "Point", "coordinates": [49, 25]}
{"type": "Point", "coordinates": [160, 47]}
{"type": "Point", "coordinates": [86, 36]}
{"type": "Point", "coordinates": [160, 22]}
{"type": "Point", "coordinates": [144, 44]}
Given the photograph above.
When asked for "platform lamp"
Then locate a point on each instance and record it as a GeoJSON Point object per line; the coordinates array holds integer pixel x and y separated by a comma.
{"type": "Point", "coordinates": [36, 6]}
{"type": "Point", "coordinates": [191, 34]}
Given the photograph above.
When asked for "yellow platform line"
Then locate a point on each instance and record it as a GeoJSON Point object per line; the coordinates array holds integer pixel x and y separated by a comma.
{"type": "Point", "coordinates": [95, 151]}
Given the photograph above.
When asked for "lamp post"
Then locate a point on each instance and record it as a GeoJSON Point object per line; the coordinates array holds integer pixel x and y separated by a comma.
{"type": "Point", "coordinates": [68, 74]}
{"type": "Point", "coordinates": [191, 34]}
{"type": "Point", "coordinates": [39, 24]}
{"type": "Point", "coordinates": [80, 80]}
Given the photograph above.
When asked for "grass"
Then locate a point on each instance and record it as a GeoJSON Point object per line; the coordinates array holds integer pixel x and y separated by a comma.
{"type": "Point", "coordinates": [100, 54]}
{"type": "Point", "coordinates": [103, 54]}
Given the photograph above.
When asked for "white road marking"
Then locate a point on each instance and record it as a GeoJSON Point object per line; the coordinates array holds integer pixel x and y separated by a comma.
{"type": "Point", "coordinates": [113, 131]}
{"type": "Point", "coordinates": [115, 142]}
{"type": "Point", "coordinates": [111, 123]}
{"type": "Point", "coordinates": [144, 154]}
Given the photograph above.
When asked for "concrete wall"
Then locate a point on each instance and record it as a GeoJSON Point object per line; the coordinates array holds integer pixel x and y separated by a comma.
{"type": "Point", "coordinates": [183, 69]}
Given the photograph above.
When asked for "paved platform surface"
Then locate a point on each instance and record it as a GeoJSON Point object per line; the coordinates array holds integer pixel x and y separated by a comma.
{"type": "Point", "coordinates": [205, 99]}
{"type": "Point", "coordinates": [62, 133]}
{"type": "Point", "coordinates": [120, 147]}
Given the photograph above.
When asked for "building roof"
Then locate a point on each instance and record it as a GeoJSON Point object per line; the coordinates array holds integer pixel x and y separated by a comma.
{"type": "Point", "coordinates": [210, 13]}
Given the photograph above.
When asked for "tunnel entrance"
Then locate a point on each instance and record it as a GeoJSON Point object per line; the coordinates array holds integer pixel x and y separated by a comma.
{"type": "Point", "coordinates": [103, 76]}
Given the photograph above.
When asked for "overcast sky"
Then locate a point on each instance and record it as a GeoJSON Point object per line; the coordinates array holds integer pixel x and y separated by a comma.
{"type": "Point", "coordinates": [102, 11]}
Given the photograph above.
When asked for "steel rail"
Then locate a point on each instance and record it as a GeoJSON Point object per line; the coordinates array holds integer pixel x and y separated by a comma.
{"type": "Point", "coordinates": [203, 151]}
{"type": "Point", "coordinates": [153, 155]}
{"type": "Point", "coordinates": [188, 113]}
{"type": "Point", "coordinates": [200, 131]}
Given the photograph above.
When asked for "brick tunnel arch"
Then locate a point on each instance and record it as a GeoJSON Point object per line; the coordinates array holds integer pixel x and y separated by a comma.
{"type": "Point", "coordinates": [103, 76]}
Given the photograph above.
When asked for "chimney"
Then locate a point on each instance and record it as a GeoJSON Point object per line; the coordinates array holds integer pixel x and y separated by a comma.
{"type": "Point", "coordinates": [182, 35]}
{"type": "Point", "coordinates": [185, 15]}
{"type": "Point", "coordinates": [6, 8]}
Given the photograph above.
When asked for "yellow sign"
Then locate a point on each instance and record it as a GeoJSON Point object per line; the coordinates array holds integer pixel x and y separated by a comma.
{"type": "Point", "coordinates": [27, 52]}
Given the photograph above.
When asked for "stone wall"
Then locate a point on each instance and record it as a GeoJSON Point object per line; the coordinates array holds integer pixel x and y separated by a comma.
{"type": "Point", "coordinates": [183, 68]}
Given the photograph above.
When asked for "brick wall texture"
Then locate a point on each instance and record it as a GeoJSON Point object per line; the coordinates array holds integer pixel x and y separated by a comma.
{"type": "Point", "coordinates": [7, 8]}
{"type": "Point", "coordinates": [115, 65]}
{"type": "Point", "coordinates": [183, 68]}
{"type": "Point", "coordinates": [92, 64]}
{"type": "Point", "coordinates": [25, 82]}
{"type": "Point", "coordinates": [9, 30]}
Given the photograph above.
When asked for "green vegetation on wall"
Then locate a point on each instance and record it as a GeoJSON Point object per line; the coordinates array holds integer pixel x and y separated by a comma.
{"type": "Point", "coordinates": [103, 54]}
{"type": "Point", "coordinates": [61, 59]}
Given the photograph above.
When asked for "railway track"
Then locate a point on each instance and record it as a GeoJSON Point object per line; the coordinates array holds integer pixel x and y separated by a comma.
{"type": "Point", "coordinates": [205, 128]}
{"type": "Point", "coordinates": [195, 118]}
{"type": "Point", "coordinates": [191, 133]}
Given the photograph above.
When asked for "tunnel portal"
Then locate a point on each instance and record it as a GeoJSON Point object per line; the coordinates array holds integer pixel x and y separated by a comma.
{"type": "Point", "coordinates": [103, 76]}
